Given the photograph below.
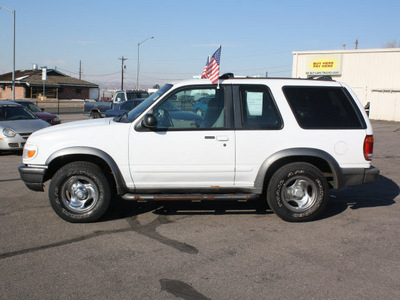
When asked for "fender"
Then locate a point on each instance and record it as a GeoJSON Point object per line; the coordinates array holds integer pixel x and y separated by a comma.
{"type": "Point", "coordinates": [119, 180]}
{"type": "Point", "coordinates": [302, 152]}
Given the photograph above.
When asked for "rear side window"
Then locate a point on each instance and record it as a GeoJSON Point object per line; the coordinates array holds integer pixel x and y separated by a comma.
{"type": "Point", "coordinates": [324, 108]}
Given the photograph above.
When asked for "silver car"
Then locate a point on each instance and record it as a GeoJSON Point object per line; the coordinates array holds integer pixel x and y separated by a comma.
{"type": "Point", "coordinates": [16, 125]}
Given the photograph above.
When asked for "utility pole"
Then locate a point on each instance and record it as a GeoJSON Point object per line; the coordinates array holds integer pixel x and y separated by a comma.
{"type": "Point", "coordinates": [13, 73]}
{"type": "Point", "coordinates": [80, 70]}
{"type": "Point", "coordinates": [122, 71]}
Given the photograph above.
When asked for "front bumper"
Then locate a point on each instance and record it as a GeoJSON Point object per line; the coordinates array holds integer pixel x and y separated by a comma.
{"type": "Point", "coordinates": [32, 177]}
{"type": "Point", "coordinates": [13, 143]}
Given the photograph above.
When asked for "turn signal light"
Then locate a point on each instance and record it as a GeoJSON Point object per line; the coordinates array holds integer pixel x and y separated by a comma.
{"type": "Point", "coordinates": [368, 147]}
{"type": "Point", "coordinates": [31, 153]}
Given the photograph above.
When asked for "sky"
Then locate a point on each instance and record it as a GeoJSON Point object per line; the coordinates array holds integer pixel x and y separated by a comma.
{"type": "Point", "coordinates": [257, 36]}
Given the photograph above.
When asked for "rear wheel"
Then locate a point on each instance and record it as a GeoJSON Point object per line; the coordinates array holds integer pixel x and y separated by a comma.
{"type": "Point", "coordinates": [79, 192]}
{"type": "Point", "coordinates": [298, 192]}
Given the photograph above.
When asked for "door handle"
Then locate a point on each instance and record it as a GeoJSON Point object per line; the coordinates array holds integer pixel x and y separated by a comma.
{"type": "Point", "coordinates": [222, 138]}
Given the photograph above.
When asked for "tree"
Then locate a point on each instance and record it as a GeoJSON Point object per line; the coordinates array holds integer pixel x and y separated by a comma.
{"type": "Point", "coordinates": [392, 44]}
{"type": "Point", "coordinates": [156, 86]}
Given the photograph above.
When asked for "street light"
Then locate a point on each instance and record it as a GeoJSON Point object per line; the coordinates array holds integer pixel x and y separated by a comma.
{"type": "Point", "coordinates": [13, 76]}
{"type": "Point", "coordinates": [137, 74]}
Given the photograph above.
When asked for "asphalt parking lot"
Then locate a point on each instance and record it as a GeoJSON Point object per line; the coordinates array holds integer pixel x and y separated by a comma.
{"type": "Point", "coordinates": [205, 250]}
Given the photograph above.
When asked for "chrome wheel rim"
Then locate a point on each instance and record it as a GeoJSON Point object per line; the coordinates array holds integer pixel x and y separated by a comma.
{"type": "Point", "coordinates": [299, 193]}
{"type": "Point", "coordinates": [80, 194]}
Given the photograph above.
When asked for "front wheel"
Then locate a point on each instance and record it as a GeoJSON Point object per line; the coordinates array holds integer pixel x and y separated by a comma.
{"type": "Point", "coordinates": [298, 192]}
{"type": "Point", "coordinates": [95, 115]}
{"type": "Point", "coordinates": [79, 192]}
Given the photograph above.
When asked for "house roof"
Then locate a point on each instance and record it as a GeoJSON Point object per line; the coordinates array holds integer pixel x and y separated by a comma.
{"type": "Point", "coordinates": [54, 79]}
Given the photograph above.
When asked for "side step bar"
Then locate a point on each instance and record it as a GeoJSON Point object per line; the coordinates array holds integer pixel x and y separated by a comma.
{"type": "Point", "coordinates": [189, 197]}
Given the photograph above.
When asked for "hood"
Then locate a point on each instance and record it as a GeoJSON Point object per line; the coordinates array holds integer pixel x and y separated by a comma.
{"type": "Point", "coordinates": [25, 126]}
{"type": "Point", "coordinates": [79, 126]}
{"type": "Point", "coordinates": [44, 115]}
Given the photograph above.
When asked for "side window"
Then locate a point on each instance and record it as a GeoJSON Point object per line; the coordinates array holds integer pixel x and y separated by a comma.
{"type": "Point", "coordinates": [120, 97]}
{"type": "Point", "coordinates": [197, 108]}
{"type": "Point", "coordinates": [323, 108]}
{"type": "Point", "coordinates": [258, 108]}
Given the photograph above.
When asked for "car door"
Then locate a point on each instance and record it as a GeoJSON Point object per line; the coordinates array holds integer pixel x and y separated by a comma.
{"type": "Point", "coordinates": [259, 133]}
{"type": "Point", "coordinates": [185, 150]}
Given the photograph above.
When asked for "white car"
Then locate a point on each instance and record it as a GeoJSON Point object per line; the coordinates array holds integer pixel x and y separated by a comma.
{"type": "Point", "coordinates": [284, 141]}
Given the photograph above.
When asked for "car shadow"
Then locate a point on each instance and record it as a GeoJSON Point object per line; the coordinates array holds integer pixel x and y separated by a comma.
{"type": "Point", "coordinates": [120, 208]}
{"type": "Point", "coordinates": [381, 193]}
{"type": "Point", "coordinates": [10, 152]}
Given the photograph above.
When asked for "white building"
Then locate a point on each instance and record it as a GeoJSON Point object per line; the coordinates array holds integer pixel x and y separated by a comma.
{"type": "Point", "coordinates": [373, 74]}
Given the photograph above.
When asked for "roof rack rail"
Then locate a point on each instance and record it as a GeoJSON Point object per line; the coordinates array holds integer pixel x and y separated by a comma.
{"type": "Point", "coordinates": [321, 77]}
{"type": "Point", "coordinates": [227, 76]}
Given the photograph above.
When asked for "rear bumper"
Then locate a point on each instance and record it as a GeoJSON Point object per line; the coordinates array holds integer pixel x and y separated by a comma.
{"type": "Point", "coordinates": [32, 177]}
{"type": "Point", "coordinates": [359, 176]}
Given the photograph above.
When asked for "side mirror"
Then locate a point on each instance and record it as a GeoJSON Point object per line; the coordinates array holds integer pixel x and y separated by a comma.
{"type": "Point", "coordinates": [42, 109]}
{"type": "Point", "coordinates": [149, 121]}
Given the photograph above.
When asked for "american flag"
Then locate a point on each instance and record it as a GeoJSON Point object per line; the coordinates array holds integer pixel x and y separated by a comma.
{"type": "Point", "coordinates": [211, 70]}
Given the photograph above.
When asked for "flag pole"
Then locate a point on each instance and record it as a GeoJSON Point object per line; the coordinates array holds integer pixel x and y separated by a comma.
{"type": "Point", "coordinates": [220, 69]}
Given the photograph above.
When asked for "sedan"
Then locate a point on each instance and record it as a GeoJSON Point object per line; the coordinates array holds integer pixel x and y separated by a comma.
{"type": "Point", "coordinates": [121, 108]}
{"type": "Point", "coordinates": [48, 117]}
{"type": "Point", "coordinates": [16, 124]}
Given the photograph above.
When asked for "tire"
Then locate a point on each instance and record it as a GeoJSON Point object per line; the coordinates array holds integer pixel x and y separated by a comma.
{"type": "Point", "coordinates": [95, 115]}
{"type": "Point", "coordinates": [298, 192]}
{"type": "Point", "coordinates": [79, 192]}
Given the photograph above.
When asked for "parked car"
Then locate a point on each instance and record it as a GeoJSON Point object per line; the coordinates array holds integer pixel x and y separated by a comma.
{"type": "Point", "coordinates": [177, 114]}
{"type": "Point", "coordinates": [200, 106]}
{"type": "Point", "coordinates": [16, 124]}
{"type": "Point", "coordinates": [285, 142]}
{"type": "Point", "coordinates": [97, 109]}
{"type": "Point", "coordinates": [123, 107]}
{"type": "Point", "coordinates": [52, 119]}
{"type": "Point", "coordinates": [367, 108]}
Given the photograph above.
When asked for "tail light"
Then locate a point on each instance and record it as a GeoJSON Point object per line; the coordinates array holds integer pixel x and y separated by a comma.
{"type": "Point", "coordinates": [368, 147]}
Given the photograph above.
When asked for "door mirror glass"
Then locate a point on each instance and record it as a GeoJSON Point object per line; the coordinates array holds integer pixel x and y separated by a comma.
{"type": "Point", "coordinates": [149, 121]}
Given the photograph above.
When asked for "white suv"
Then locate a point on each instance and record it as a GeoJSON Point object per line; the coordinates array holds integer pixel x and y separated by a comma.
{"type": "Point", "coordinates": [286, 141]}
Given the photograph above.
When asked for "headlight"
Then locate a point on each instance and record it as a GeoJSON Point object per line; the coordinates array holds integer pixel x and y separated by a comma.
{"type": "Point", "coordinates": [30, 151]}
{"type": "Point", "coordinates": [8, 132]}
{"type": "Point", "coordinates": [56, 119]}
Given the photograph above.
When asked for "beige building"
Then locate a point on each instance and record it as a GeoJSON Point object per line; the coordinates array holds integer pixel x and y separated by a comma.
{"type": "Point", "coordinates": [373, 74]}
{"type": "Point", "coordinates": [29, 85]}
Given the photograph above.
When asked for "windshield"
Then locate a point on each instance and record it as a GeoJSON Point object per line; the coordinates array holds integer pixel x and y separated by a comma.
{"type": "Point", "coordinates": [32, 107]}
{"type": "Point", "coordinates": [15, 113]}
{"type": "Point", "coordinates": [138, 110]}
